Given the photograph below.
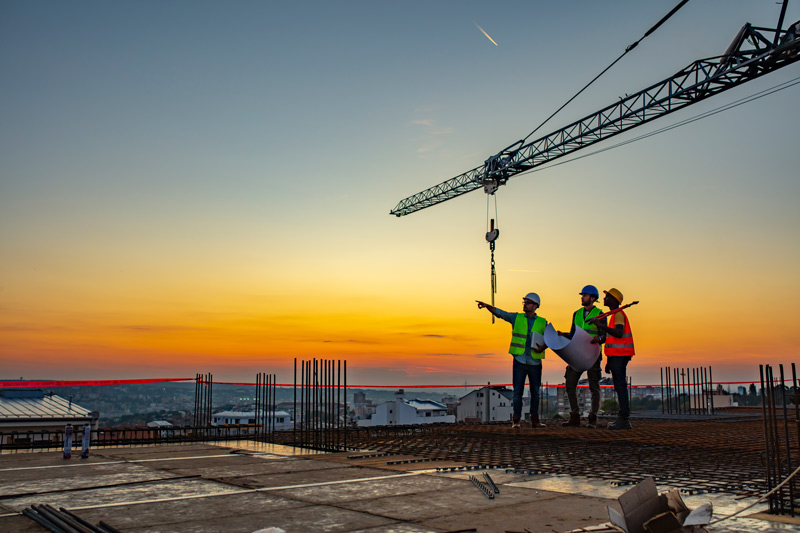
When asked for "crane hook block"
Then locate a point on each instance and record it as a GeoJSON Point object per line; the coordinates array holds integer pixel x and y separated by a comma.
{"type": "Point", "coordinates": [493, 233]}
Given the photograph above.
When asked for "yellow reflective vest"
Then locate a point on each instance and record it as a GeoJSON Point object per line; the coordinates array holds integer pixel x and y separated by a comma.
{"type": "Point", "coordinates": [519, 335]}
{"type": "Point", "coordinates": [581, 322]}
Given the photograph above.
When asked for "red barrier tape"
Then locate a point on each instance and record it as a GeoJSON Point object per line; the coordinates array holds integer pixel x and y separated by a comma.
{"type": "Point", "coordinates": [53, 383]}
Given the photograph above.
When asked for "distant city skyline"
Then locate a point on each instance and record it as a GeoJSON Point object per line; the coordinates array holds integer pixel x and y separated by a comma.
{"type": "Point", "coordinates": [192, 187]}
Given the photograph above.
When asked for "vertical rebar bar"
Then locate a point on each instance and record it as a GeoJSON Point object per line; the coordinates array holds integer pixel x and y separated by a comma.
{"type": "Point", "coordinates": [346, 427]}
{"type": "Point", "coordinates": [711, 389]}
{"type": "Point", "coordinates": [789, 468]}
{"type": "Point", "coordinates": [669, 390]}
{"type": "Point", "coordinates": [307, 420]}
{"type": "Point", "coordinates": [767, 440]}
{"type": "Point", "coordinates": [315, 413]}
{"type": "Point", "coordinates": [677, 391]}
{"type": "Point", "coordinates": [661, 389]}
{"type": "Point", "coordinates": [775, 443]}
{"type": "Point", "coordinates": [258, 416]}
{"type": "Point", "coordinates": [294, 406]}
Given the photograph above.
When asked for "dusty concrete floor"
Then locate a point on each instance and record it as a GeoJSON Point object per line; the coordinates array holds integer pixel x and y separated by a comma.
{"type": "Point", "coordinates": [198, 487]}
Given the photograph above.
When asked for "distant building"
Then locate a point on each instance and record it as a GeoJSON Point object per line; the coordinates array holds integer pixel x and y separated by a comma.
{"type": "Point", "coordinates": [359, 398]}
{"type": "Point", "coordinates": [489, 404]}
{"type": "Point", "coordinates": [364, 411]}
{"type": "Point", "coordinates": [163, 426]}
{"type": "Point", "coordinates": [280, 419]}
{"type": "Point", "coordinates": [452, 404]}
{"type": "Point", "coordinates": [402, 412]}
{"type": "Point", "coordinates": [33, 415]}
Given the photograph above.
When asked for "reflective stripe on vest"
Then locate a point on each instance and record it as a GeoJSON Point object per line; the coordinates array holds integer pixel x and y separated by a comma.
{"type": "Point", "coordinates": [581, 322]}
{"type": "Point", "coordinates": [620, 346]}
{"type": "Point", "coordinates": [519, 335]}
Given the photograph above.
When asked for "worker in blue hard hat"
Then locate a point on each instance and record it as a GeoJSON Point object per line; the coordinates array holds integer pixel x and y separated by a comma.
{"type": "Point", "coordinates": [528, 352]}
{"type": "Point", "coordinates": [583, 318]}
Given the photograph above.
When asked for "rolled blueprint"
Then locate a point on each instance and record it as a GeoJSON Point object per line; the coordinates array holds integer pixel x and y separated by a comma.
{"type": "Point", "coordinates": [578, 352]}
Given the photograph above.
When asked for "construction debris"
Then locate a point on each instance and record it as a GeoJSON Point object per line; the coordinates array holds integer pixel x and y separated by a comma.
{"type": "Point", "coordinates": [645, 510]}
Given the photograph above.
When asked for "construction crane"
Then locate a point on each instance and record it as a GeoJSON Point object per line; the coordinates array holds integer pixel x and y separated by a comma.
{"type": "Point", "coordinates": [753, 53]}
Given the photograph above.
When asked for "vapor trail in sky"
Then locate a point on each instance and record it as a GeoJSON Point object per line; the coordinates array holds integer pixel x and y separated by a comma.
{"type": "Point", "coordinates": [486, 34]}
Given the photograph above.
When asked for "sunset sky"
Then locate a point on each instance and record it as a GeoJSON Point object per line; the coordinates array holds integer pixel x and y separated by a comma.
{"type": "Point", "coordinates": [191, 187]}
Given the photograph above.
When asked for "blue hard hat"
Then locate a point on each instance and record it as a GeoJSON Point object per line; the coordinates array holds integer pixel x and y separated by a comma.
{"type": "Point", "coordinates": [591, 290]}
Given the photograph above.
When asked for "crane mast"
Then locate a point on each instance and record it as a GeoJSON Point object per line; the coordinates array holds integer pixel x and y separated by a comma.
{"type": "Point", "coordinates": [751, 55]}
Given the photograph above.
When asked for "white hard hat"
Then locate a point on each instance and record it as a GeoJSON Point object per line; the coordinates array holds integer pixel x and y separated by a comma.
{"type": "Point", "coordinates": [532, 296]}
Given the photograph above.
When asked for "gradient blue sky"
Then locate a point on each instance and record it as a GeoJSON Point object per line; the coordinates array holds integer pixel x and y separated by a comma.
{"type": "Point", "coordinates": [201, 186]}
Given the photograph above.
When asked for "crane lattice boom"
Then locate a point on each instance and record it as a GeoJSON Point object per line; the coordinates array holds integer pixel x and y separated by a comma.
{"type": "Point", "coordinates": [749, 56]}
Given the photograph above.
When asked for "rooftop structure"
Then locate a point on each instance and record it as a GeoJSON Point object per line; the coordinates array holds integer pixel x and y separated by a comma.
{"type": "Point", "coordinates": [408, 412]}
{"type": "Point", "coordinates": [25, 410]}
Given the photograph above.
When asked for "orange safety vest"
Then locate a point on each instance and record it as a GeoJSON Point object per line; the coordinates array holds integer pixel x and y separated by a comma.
{"type": "Point", "coordinates": [620, 346]}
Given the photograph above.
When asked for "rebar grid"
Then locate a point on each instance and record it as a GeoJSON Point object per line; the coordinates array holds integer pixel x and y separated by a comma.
{"type": "Point", "coordinates": [694, 456]}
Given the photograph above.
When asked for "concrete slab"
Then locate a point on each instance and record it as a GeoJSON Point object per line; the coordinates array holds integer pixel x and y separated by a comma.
{"type": "Point", "coordinates": [316, 518]}
{"type": "Point", "coordinates": [428, 505]}
{"type": "Point", "coordinates": [245, 466]}
{"type": "Point", "coordinates": [170, 514]}
{"type": "Point", "coordinates": [323, 474]}
{"type": "Point", "coordinates": [550, 512]}
{"type": "Point", "coordinates": [59, 479]}
{"type": "Point", "coordinates": [268, 485]}
{"type": "Point", "coordinates": [401, 527]}
{"type": "Point", "coordinates": [162, 450]}
{"type": "Point", "coordinates": [374, 489]}
{"type": "Point", "coordinates": [122, 494]}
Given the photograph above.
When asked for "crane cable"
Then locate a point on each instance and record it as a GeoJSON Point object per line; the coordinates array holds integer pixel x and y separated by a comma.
{"type": "Point", "coordinates": [628, 49]}
{"type": "Point", "coordinates": [736, 103]}
{"type": "Point", "coordinates": [492, 233]}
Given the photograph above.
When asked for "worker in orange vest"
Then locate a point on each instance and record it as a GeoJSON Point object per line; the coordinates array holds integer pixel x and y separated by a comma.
{"type": "Point", "coordinates": [619, 350]}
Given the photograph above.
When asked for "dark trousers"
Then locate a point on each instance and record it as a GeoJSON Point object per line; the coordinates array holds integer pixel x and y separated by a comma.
{"type": "Point", "coordinates": [619, 373]}
{"type": "Point", "coordinates": [534, 375]}
{"type": "Point", "coordinates": [572, 377]}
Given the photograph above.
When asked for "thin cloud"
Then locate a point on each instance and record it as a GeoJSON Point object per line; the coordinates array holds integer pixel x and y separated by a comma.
{"type": "Point", "coordinates": [423, 122]}
{"type": "Point", "coordinates": [145, 328]}
{"type": "Point", "coordinates": [433, 335]}
{"type": "Point", "coordinates": [424, 149]}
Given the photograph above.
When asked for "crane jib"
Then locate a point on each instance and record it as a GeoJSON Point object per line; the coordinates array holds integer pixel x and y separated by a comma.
{"type": "Point", "coordinates": [700, 80]}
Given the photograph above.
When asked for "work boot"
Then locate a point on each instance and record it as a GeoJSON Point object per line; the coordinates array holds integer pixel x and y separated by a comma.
{"type": "Point", "coordinates": [620, 423]}
{"type": "Point", "coordinates": [515, 423]}
{"type": "Point", "coordinates": [592, 420]}
{"type": "Point", "coordinates": [536, 423]}
{"type": "Point", "coordinates": [574, 420]}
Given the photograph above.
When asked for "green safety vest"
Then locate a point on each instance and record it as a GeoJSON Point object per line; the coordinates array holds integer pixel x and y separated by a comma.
{"type": "Point", "coordinates": [580, 322]}
{"type": "Point", "coordinates": [520, 334]}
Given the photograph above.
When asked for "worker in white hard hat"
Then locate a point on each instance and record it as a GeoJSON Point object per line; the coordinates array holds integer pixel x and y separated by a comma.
{"type": "Point", "coordinates": [527, 351]}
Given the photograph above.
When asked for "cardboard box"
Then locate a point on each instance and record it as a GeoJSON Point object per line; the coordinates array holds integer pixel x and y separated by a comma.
{"type": "Point", "coordinates": [644, 510]}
